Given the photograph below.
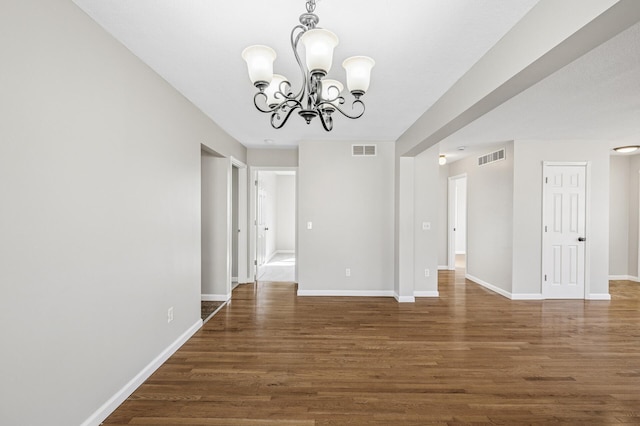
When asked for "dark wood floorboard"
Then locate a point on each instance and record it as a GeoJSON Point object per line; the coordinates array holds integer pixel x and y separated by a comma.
{"type": "Point", "coordinates": [468, 357]}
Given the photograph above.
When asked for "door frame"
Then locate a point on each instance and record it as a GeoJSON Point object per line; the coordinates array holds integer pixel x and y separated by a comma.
{"type": "Point", "coordinates": [451, 211]}
{"type": "Point", "coordinates": [253, 194]}
{"type": "Point", "coordinates": [243, 222]}
{"type": "Point", "coordinates": [587, 223]}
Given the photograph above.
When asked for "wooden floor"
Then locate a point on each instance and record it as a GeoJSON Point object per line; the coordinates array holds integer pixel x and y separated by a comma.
{"type": "Point", "coordinates": [470, 356]}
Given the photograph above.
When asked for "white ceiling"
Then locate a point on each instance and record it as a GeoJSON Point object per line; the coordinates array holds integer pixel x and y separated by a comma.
{"type": "Point", "coordinates": [596, 97]}
{"type": "Point", "coordinates": [421, 48]}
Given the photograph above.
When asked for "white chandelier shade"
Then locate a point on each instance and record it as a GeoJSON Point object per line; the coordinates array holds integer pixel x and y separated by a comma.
{"type": "Point", "coordinates": [274, 87]}
{"type": "Point", "coordinates": [319, 45]}
{"type": "Point", "coordinates": [358, 73]}
{"type": "Point", "coordinates": [331, 90]}
{"type": "Point", "coordinates": [260, 63]}
{"type": "Point", "coordinates": [317, 96]}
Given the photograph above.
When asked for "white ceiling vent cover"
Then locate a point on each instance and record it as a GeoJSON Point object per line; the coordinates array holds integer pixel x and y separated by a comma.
{"type": "Point", "coordinates": [363, 150]}
{"type": "Point", "coordinates": [492, 157]}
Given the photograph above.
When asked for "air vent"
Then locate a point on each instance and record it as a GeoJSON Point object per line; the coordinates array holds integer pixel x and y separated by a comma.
{"type": "Point", "coordinates": [363, 150]}
{"type": "Point", "coordinates": [492, 157]}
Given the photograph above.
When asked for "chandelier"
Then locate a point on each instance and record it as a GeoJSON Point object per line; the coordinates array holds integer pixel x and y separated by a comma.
{"type": "Point", "coordinates": [318, 96]}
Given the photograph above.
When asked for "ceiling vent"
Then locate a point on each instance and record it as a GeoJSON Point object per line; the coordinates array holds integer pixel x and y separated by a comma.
{"type": "Point", "coordinates": [492, 157]}
{"type": "Point", "coordinates": [363, 150]}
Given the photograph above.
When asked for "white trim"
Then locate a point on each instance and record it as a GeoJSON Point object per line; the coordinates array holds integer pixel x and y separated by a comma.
{"type": "Point", "coordinates": [426, 293]}
{"type": "Point", "coordinates": [404, 299]}
{"type": "Point", "coordinates": [443, 267]}
{"type": "Point", "coordinates": [599, 296]}
{"type": "Point", "coordinates": [285, 252]}
{"type": "Point", "coordinates": [119, 397]}
{"type": "Point", "coordinates": [461, 252]}
{"type": "Point", "coordinates": [234, 280]}
{"type": "Point", "coordinates": [623, 278]}
{"type": "Point", "coordinates": [527, 296]}
{"type": "Point", "coordinates": [491, 287]}
{"type": "Point", "coordinates": [349, 293]}
{"type": "Point", "coordinates": [215, 297]}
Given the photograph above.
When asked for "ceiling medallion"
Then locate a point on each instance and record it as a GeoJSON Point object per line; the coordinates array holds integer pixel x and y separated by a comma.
{"type": "Point", "coordinates": [318, 96]}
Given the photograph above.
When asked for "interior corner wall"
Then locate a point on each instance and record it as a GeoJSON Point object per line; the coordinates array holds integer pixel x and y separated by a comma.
{"type": "Point", "coordinates": [634, 207]}
{"type": "Point", "coordinates": [100, 208]}
{"type": "Point", "coordinates": [619, 235]}
{"type": "Point", "coordinates": [443, 216]}
{"type": "Point", "coordinates": [349, 201]}
{"type": "Point", "coordinates": [216, 235]}
{"type": "Point", "coordinates": [426, 210]}
{"type": "Point", "coordinates": [527, 236]}
{"type": "Point", "coordinates": [286, 213]}
{"type": "Point", "coordinates": [490, 220]}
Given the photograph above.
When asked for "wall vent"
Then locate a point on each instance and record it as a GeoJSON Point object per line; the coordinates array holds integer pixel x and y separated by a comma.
{"type": "Point", "coordinates": [492, 157]}
{"type": "Point", "coordinates": [363, 150]}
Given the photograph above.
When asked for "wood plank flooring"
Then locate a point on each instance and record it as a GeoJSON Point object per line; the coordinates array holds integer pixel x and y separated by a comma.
{"type": "Point", "coordinates": [470, 356]}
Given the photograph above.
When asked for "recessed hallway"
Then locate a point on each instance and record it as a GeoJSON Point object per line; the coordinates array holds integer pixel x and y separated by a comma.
{"type": "Point", "coordinates": [270, 357]}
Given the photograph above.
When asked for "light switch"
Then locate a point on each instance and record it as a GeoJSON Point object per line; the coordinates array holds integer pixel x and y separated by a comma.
{"type": "Point", "coordinates": [426, 226]}
{"type": "Point", "coordinates": [309, 225]}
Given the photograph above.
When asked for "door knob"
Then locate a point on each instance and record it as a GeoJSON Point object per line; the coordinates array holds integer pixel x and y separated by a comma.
{"type": "Point", "coordinates": [582, 239]}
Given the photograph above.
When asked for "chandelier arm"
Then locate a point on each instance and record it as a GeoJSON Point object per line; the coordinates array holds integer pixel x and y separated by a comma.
{"type": "Point", "coordinates": [275, 117]}
{"type": "Point", "coordinates": [353, 117]}
{"type": "Point", "coordinates": [328, 123]}
{"type": "Point", "coordinates": [287, 100]}
{"type": "Point", "coordinates": [295, 39]}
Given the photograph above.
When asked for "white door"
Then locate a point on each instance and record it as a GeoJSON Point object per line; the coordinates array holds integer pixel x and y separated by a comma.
{"type": "Point", "coordinates": [564, 225]}
{"type": "Point", "coordinates": [261, 227]}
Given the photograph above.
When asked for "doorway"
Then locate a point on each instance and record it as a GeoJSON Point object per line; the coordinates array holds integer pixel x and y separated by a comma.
{"type": "Point", "coordinates": [457, 229]}
{"type": "Point", "coordinates": [564, 230]}
{"type": "Point", "coordinates": [274, 233]}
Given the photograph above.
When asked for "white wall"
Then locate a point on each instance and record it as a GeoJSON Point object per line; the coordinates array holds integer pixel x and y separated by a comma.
{"type": "Point", "coordinates": [272, 157]}
{"type": "Point", "coordinates": [286, 213]}
{"type": "Point", "coordinates": [619, 216]}
{"type": "Point", "coordinates": [426, 209]}
{"type": "Point", "coordinates": [349, 200]}
{"type": "Point", "coordinates": [100, 213]}
{"type": "Point", "coordinates": [527, 236]}
{"type": "Point", "coordinates": [216, 233]}
{"type": "Point", "coordinates": [490, 223]}
{"type": "Point", "coordinates": [443, 216]}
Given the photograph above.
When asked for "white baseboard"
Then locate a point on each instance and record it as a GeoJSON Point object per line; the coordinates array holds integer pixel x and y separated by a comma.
{"type": "Point", "coordinates": [461, 252]}
{"type": "Point", "coordinates": [623, 278]}
{"type": "Point", "coordinates": [119, 397]}
{"type": "Point", "coordinates": [426, 293]}
{"type": "Point", "coordinates": [349, 293]}
{"type": "Point", "coordinates": [491, 287]}
{"type": "Point", "coordinates": [443, 267]}
{"type": "Point", "coordinates": [599, 296]}
{"type": "Point", "coordinates": [215, 297]}
{"type": "Point", "coordinates": [285, 252]}
{"type": "Point", "coordinates": [527, 296]}
{"type": "Point", "coordinates": [234, 279]}
{"type": "Point", "coordinates": [404, 299]}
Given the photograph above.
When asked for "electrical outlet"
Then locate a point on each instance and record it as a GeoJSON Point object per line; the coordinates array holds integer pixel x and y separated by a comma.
{"type": "Point", "coordinates": [170, 315]}
{"type": "Point", "coordinates": [426, 226]}
{"type": "Point", "coordinates": [347, 272]}
{"type": "Point", "coordinates": [309, 225]}
{"type": "Point", "coordinates": [427, 273]}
